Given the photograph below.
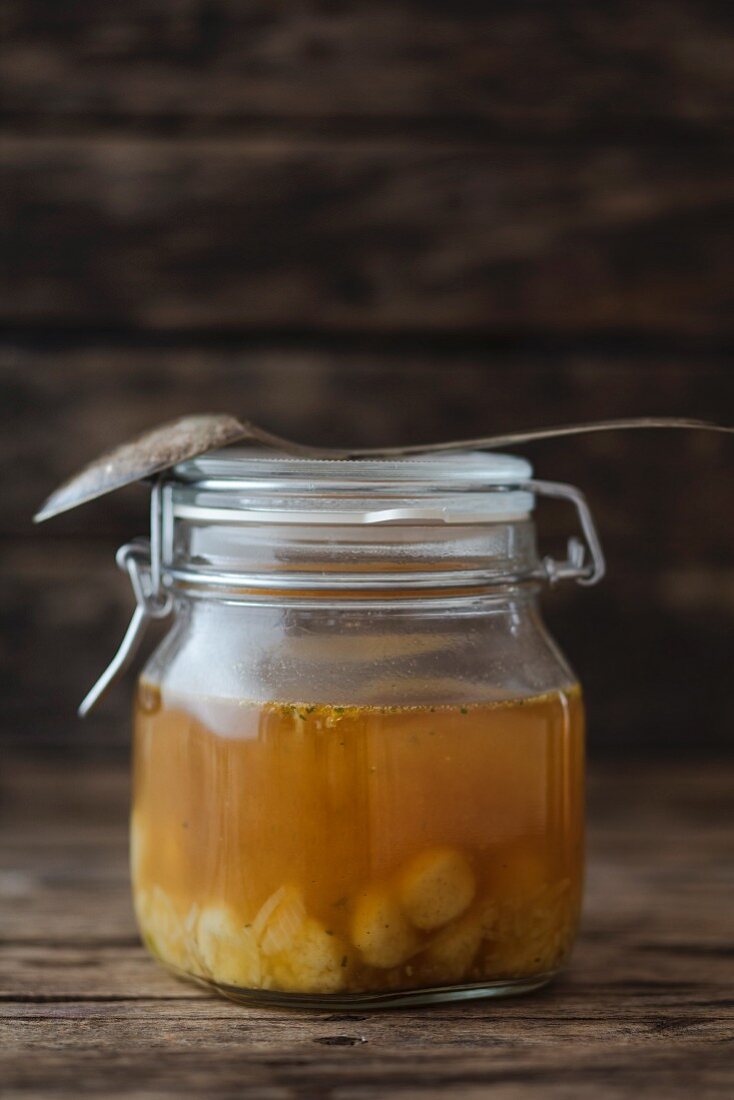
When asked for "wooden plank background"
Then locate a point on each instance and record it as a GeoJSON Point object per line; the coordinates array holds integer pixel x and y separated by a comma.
{"type": "Point", "coordinates": [532, 67]}
{"type": "Point", "coordinates": [375, 223]}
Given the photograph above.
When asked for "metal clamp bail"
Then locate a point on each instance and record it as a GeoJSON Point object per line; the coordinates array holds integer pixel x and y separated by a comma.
{"type": "Point", "coordinates": [140, 559]}
{"type": "Point", "coordinates": [575, 567]}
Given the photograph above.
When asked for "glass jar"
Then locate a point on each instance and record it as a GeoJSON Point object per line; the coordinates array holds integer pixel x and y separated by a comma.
{"type": "Point", "coordinates": [358, 758]}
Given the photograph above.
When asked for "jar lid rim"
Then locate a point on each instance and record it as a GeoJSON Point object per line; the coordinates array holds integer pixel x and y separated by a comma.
{"type": "Point", "coordinates": [429, 471]}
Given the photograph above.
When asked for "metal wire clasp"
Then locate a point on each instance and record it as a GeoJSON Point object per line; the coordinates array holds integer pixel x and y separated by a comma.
{"type": "Point", "coordinates": [151, 602]}
{"type": "Point", "coordinates": [576, 567]}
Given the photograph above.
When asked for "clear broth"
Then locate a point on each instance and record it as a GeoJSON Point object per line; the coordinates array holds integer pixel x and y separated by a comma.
{"type": "Point", "coordinates": [318, 849]}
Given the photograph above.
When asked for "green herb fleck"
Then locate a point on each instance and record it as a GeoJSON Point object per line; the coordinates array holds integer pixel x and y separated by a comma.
{"type": "Point", "coordinates": [463, 710]}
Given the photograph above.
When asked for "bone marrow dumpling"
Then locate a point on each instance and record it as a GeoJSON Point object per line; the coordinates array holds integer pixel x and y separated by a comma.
{"type": "Point", "coordinates": [451, 952]}
{"type": "Point", "coordinates": [227, 948]}
{"type": "Point", "coordinates": [167, 930]}
{"type": "Point", "coordinates": [279, 920]}
{"type": "Point", "coordinates": [435, 887]}
{"type": "Point", "coordinates": [302, 955]}
{"type": "Point", "coordinates": [317, 961]}
{"type": "Point", "coordinates": [380, 929]}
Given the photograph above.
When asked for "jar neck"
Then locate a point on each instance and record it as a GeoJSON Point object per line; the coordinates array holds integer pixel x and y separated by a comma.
{"type": "Point", "coordinates": [379, 652]}
{"type": "Point", "coordinates": [347, 563]}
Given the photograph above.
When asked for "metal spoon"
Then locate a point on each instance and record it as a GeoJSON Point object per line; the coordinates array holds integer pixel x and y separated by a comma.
{"type": "Point", "coordinates": [163, 447]}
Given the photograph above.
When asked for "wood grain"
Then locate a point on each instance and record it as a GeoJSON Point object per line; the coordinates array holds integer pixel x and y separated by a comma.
{"type": "Point", "coordinates": [576, 69]}
{"type": "Point", "coordinates": [645, 1008]}
{"type": "Point", "coordinates": [375, 237]}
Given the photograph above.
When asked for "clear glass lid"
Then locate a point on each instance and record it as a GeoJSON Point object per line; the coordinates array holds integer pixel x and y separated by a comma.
{"type": "Point", "coordinates": [256, 486]}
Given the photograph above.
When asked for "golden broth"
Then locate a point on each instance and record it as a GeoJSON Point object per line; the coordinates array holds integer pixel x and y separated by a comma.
{"type": "Point", "coordinates": [322, 849]}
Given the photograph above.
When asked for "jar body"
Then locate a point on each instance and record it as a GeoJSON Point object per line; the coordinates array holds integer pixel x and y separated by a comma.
{"type": "Point", "coordinates": [359, 803]}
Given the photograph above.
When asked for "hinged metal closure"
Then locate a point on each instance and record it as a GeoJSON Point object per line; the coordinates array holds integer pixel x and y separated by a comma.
{"type": "Point", "coordinates": [143, 561]}
{"type": "Point", "coordinates": [140, 559]}
{"type": "Point", "coordinates": [576, 567]}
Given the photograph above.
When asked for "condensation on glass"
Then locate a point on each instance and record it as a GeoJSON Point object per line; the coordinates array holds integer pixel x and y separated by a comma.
{"type": "Point", "coordinates": [358, 760]}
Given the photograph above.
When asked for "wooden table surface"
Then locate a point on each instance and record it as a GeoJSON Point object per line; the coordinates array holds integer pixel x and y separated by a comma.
{"type": "Point", "coordinates": [646, 1008]}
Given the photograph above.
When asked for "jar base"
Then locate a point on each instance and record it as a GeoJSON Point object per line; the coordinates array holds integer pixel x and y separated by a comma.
{"type": "Point", "coordinates": [269, 998]}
